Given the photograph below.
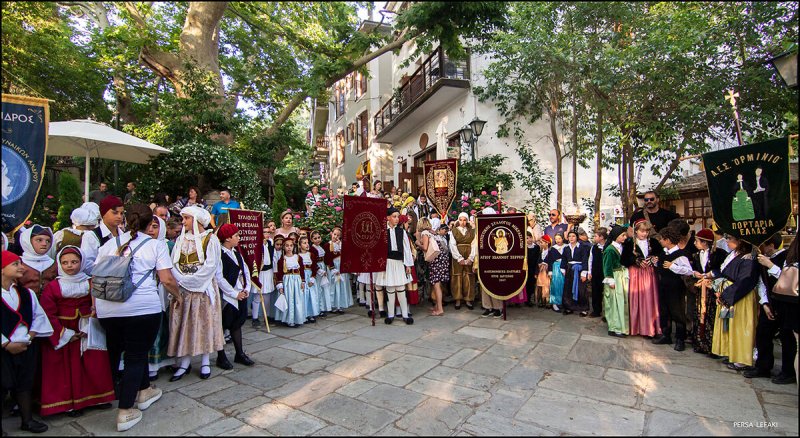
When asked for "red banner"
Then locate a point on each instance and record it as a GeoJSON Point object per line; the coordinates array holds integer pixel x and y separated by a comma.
{"type": "Point", "coordinates": [440, 183]}
{"type": "Point", "coordinates": [364, 243]}
{"type": "Point", "coordinates": [501, 260]}
{"type": "Point", "coordinates": [251, 243]}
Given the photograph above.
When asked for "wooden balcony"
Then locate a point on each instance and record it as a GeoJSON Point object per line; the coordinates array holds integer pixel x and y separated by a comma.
{"type": "Point", "coordinates": [321, 149]}
{"type": "Point", "coordinates": [413, 102]}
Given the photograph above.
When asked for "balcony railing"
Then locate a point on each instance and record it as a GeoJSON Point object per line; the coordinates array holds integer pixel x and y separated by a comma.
{"type": "Point", "coordinates": [437, 66]}
{"type": "Point", "coordinates": [321, 150]}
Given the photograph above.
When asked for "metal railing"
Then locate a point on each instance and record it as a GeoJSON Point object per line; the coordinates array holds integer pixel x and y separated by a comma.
{"type": "Point", "coordinates": [437, 66]}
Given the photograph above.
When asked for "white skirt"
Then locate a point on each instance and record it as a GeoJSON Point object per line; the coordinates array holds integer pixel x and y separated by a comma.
{"type": "Point", "coordinates": [266, 279]}
{"type": "Point", "coordinates": [394, 275]}
{"type": "Point", "coordinates": [364, 277]}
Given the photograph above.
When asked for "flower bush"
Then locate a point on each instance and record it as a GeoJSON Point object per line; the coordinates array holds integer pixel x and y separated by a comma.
{"type": "Point", "coordinates": [328, 212]}
{"type": "Point", "coordinates": [474, 204]}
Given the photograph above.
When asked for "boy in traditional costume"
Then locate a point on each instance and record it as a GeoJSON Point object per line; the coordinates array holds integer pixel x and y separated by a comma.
{"type": "Point", "coordinates": [398, 266]}
{"type": "Point", "coordinates": [265, 277]}
{"type": "Point", "coordinates": [463, 248]}
{"type": "Point", "coordinates": [233, 278]}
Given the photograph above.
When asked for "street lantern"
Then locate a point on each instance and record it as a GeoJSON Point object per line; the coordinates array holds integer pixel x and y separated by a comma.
{"type": "Point", "coordinates": [786, 65]}
{"type": "Point", "coordinates": [466, 134]}
{"type": "Point", "coordinates": [477, 125]}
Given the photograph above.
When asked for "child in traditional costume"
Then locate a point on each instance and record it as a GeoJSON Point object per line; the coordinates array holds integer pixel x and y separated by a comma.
{"type": "Point", "coordinates": [157, 357]}
{"type": "Point", "coordinates": [706, 260]}
{"type": "Point", "coordinates": [311, 296]}
{"type": "Point", "coordinates": [340, 282]}
{"type": "Point", "coordinates": [83, 222]}
{"type": "Point", "coordinates": [737, 305]}
{"type": "Point", "coordinates": [265, 277]}
{"type": "Point", "coordinates": [615, 293]}
{"type": "Point", "coordinates": [398, 267]}
{"type": "Point", "coordinates": [233, 279]}
{"type": "Point", "coordinates": [574, 260]}
{"type": "Point", "coordinates": [321, 272]}
{"type": "Point", "coordinates": [672, 265]}
{"type": "Point", "coordinates": [289, 281]}
{"type": "Point", "coordinates": [196, 324]}
{"type": "Point", "coordinates": [23, 319]}
{"type": "Point", "coordinates": [36, 242]}
{"type": "Point", "coordinates": [553, 260]}
{"type": "Point", "coordinates": [542, 280]}
{"type": "Point", "coordinates": [643, 289]}
{"type": "Point", "coordinates": [73, 376]}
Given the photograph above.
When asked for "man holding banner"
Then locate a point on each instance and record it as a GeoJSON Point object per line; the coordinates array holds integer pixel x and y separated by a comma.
{"type": "Point", "coordinates": [502, 259]}
{"type": "Point", "coordinates": [398, 267]}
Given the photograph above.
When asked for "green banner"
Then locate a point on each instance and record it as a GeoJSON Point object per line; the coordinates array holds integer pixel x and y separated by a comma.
{"type": "Point", "coordinates": [750, 189]}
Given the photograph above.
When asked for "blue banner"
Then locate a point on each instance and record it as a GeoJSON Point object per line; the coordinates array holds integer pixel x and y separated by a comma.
{"type": "Point", "coordinates": [25, 123]}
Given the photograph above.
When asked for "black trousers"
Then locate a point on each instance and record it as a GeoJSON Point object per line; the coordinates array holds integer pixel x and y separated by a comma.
{"type": "Point", "coordinates": [765, 335]}
{"type": "Point", "coordinates": [133, 335]}
{"type": "Point", "coordinates": [597, 294]}
{"type": "Point", "coordinates": [672, 308]}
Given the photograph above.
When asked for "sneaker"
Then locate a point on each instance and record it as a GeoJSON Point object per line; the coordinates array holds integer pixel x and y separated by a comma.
{"type": "Point", "coordinates": [127, 421]}
{"type": "Point", "coordinates": [555, 308]}
{"type": "Point", "coordinates": [147, 397]}
{"type": "Point", "coordinates": [497, 314]}
{"type": "Point", "coordinates": [486, 313]}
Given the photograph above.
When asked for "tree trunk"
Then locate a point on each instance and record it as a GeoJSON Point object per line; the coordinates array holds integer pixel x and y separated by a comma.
{"type": "Point", "coordinates": [598, 192]}
{"type": "Point", "coordinates": [630, 196]}
{"type": "Point", "coordinates": [552, 111]}
{"type": "Point", "coordinates": [575, 118]}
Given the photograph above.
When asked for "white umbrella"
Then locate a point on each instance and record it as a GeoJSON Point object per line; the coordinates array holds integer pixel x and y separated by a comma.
{"type": "Point", "coordinates": [94, 139]}
{"type": "Point", "coordinates": [441, 140]}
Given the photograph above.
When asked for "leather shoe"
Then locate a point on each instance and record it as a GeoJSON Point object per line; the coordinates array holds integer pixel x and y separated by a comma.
{"type": "Point", "coordinates": [680, 345]}
{"type": "Point", "coordinates": [593, 315]}
{"type": "Point", "coordinates": [756, 373]}
{"type": "Point", "coordinates": [470, 306]}
{"type": "Point", "coordinates": [458, 306]}
{"type": "Point", "coordinates": [224, 363]}
{"type": "Point", "coordinates": [409, 320]}
{"type": "Point", "coordinates": [176, 377]}
{"type": "Point", "coordinates": [388, 320]}
{"type": "Point", "coordinates": [733, 366]}
{"type": "Point", "coordinates": [244, 360]}
{"type": "Point", "coordinates": [662, 340]}
{"type": "Point", "coordinates": [34, 426]}
{"type": "Point", "coordinates": [783, 380]}
{"type": "Point", "coordinates": [203, 375]}
{"type": "Point", "coordinates": [383, 314]}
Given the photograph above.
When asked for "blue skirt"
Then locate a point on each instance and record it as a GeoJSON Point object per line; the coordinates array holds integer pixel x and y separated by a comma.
{"type": "Point", "coordinates": [296, 311]}
{"type": "Point", "coordinates": [311, 295]}
{"type": "Point", "coordinates": [342, 295]}
{"type": "Point", "coordinates": [556, 284]}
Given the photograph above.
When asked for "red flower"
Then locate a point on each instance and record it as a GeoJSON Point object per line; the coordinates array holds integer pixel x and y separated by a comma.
{"type": "Point", "coordinates": [494, 193]}
{"type": "Point", "coordinates": [483, 192]}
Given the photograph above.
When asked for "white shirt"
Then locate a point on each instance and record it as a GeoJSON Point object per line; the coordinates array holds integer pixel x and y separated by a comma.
{"type": "Point", "coordinates": [40, 325]}
{"type": "Point", "coordinates": [145, 299]}
{"type": "Point", "coordinates": [230, 293]}
{"type": "Point", "coordinates": [704, 254]}
{"type": "Point", "coordinates": [644, 245]}
{"type": "Point", "coordinates": [681, 265]}
{"type": "Point", "coordinates": [591, 257]}
{"type": "Point", "coordinates": [86, 247]}
{"type": "Point", "coordinates": [203, 279]}
{"type": "Point", "coordinates": [454, 246]}
{"type": "Point", "coordinates": [93, 245]}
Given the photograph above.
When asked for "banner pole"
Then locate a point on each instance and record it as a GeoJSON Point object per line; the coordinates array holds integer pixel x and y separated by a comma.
{"type": "Point", "coordinates": [264, 308]}
{"type": "Point", "coordinates": [504, 310]}
{"type": "Point", "coordinates": [372, 297]}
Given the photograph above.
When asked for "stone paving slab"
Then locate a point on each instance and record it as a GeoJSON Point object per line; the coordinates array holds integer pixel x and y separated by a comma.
{"type": "Point", "coordinates": [355, 366]}
{"type": "Point", "coordinates": [359, 344]}
{"type": "Point", "coordinates": [231, 396]}
{"type": "Point", "coordinates": [664, 423]}
{"type": "Point", "coordinates": [351, 414]}
{"type": "Point", "coordinates": [278, 357]}
{"type": "Point", "coordinates": [307, 388]}
{"type": "Point", "coordinates": [403, 370]}
{"type": "Point", "coordinates": [393, 398]}
{"type": "Point", "coordinates": [449, 392]}
{"type": "Point", "coordinates": [309, 365]}
{"type": "Point", "coordinates": [485, 424]}
{"type": "Point", "coordinates": [592, 388]}
{"type": "Point", "coordinates": [434, 417]}
{"type": "Point", "coordinates": [461, 378]}
{"type": "Point", "coordinates": [281, 420]}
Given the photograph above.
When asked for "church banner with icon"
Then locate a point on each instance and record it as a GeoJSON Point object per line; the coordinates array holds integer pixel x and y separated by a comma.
{"type": "Point", "coordinates": [750, 189]}
{"type": "Point", "coordinates": [501, 261]}
{"type": "Point", "coordinates": [441, 178]}
{"type": "Point", "coordinates": [364, 173]}
{"type": "Point", "coordinates": [251, 244]}
{"type": "Point", "coordinates": [25, 124]}
{"type": "Point", "coordinates": [364, 243]}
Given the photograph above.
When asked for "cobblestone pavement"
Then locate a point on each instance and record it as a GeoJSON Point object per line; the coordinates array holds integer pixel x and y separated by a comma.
{"type": "Point", "coordinates": [539, 373]}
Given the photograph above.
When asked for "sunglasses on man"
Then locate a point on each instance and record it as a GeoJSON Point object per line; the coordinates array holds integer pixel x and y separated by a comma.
{"type": "Point", "coordinates": [649, 199]}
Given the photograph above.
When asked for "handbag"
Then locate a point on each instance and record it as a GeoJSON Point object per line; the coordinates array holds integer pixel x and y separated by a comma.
{"type": "Point", "coordinates": [433, 249]}
{"type": "Point", "coordinates": [787, 282]}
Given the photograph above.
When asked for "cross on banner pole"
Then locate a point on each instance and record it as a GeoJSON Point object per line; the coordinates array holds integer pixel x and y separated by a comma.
{"type": "Point", "coordinates": [731, 97]}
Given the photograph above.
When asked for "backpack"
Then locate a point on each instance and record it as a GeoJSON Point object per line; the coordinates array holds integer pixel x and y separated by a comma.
{"type": "Point", "coordinates": [112, 279]}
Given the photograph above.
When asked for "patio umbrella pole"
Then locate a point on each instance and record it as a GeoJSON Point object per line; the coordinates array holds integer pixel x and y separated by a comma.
{"type": "Point", "coordinates": [86, 183]}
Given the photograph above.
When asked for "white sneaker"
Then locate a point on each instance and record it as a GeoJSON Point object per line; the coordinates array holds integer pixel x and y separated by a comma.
{"type": "Point", "coordinates": [127, 421]}
{"type": "Point", "coordinates": [555, 308]}
{"type": "Point", "coordinates": [147, 397]}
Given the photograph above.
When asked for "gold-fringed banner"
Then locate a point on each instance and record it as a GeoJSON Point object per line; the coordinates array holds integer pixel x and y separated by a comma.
{"type": "Point", "coordinates": [251, 244]}
{"type": "Point", "coordinates": [25, 123]}
{"type": "Point", "coordinates": [441, 178]}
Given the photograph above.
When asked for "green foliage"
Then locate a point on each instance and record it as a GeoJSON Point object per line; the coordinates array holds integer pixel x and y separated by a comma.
{"type": "Point", "coordinates": [482, 174]}
{"type": "Point", "coordinates": [537, 183]}
{"type": "Point", "coordinates": [41, 60]}
{"type": "Point", "coordinates": [279, 204]}
{"type": "Point", "coordinates": [326, 215]}
{"type": "Point", "coordinates": [69, 193]}
{"type": "Point", "coordinates": [45, 210]}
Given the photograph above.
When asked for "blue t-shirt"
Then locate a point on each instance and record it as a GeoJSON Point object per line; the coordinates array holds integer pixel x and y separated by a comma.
{"type": "Point", "coordinates": [551, 231]}
{"type": "Point", "coordinates": [222, 207]}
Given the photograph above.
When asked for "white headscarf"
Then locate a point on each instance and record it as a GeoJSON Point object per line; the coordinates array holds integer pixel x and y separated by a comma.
{"type": "Point", "coordinates": [162, 229]}
{"type": "Point", "coordinates": [40, 262]}
{"type": "Point", "coordinates": [489, 210]}
{"type": "Point", "coordinates": [83, 216]}
{"type": "Point", "coordinates": [94, 209]}
{"type": "Point", "coordinates": [5, 242]}
{"type": "Point", "coordinates": [199, 215]}
{"type": "Point", "coordinates": [73, 286]}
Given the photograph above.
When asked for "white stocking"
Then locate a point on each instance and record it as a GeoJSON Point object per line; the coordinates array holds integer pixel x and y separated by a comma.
{"type": "Point", "coordinates": [379, 298]}
{"type": "Point", "coordinates": [401, 296]}
{"type": "Point", "coordinates": [256, 305]}
{"type": "Point", "coordinates": [391, 302]}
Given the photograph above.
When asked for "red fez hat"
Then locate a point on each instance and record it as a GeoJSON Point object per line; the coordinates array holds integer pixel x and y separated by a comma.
{"type": "Point", "coordinates": [108, 203]}
{"type": "Point", "coordinates": [547, 239]}
{"type": "Point", "coordinates": [8, 258]}
{"type": "Point", "coordinates": [227, 231]}
{"type": "Point", "coordinates": [705, 234]}
{"type": "Point", "coordinates": [403, 218]}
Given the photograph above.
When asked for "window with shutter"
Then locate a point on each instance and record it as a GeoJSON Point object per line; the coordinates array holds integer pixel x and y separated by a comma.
{"type": "Point", "coordinates": [363, 132]}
